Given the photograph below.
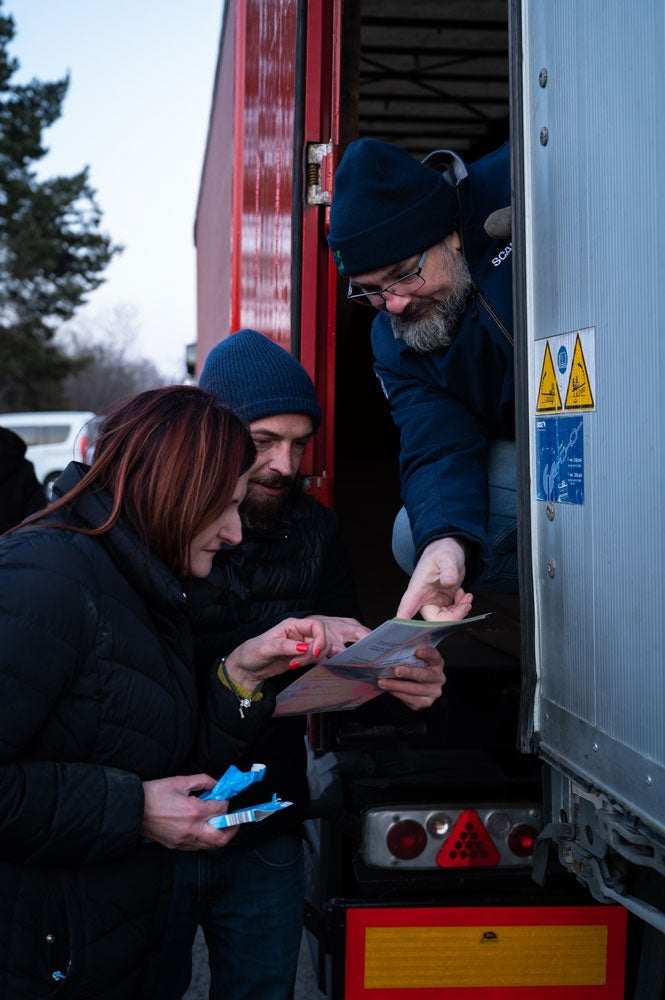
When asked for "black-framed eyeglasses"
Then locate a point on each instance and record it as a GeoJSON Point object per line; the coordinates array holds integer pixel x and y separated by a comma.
{"type": "Point", "coordinates": [406, 285]}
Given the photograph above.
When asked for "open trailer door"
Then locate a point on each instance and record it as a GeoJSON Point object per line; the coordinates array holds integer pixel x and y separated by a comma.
{"type": "Point", "coordinates": [265, 190]}
{"type": "Point", "coordinates": [319, 100]}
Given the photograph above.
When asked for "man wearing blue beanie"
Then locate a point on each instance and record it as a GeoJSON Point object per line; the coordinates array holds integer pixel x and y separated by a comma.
{"type": "Point", "coordinates": [249, 898]}
{"type": "Point", "coordinates": [410, 237]}
{"type": "Point", "coordinates": [257, 378]}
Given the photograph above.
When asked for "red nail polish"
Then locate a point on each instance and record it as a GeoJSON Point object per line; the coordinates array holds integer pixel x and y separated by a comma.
{"type": "Point", "coordinates": [293, 664]}
{"type": "Point", "coordinates": [317, 651]}
{"type": "Point", "coordinates": [302, 647]}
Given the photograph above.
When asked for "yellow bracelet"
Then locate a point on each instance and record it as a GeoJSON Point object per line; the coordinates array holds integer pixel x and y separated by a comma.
{"type": "Point", "coordinates": [244, 695]}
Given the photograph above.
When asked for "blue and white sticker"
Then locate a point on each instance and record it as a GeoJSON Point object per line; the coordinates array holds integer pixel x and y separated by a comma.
{"type": "Point", "coordinates": [560, 459]}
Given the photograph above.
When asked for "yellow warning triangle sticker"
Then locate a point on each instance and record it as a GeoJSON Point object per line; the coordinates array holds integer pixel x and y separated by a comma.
{"type": "Point", "coordinates": [578, 393]}
{"type": "Point", "coordinates": [549, 397]}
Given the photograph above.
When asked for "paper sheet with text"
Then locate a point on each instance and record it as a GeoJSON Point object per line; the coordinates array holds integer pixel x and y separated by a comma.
{"type": "Point", "coordinates": [350, 678]}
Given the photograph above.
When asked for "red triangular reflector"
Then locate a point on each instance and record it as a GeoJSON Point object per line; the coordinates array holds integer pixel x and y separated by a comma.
{"type": "Point", "coordinates": [469, 845]}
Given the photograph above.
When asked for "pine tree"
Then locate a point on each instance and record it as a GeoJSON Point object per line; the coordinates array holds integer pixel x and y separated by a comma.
{"type": "Point", "coordinates": [52, 252]}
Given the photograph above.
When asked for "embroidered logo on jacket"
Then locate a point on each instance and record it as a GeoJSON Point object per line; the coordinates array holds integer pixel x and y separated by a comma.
{"type": "Point", "coordinates": [502, 255]}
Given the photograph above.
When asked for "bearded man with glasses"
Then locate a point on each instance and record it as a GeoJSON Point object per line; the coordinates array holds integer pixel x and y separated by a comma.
{"type": "Point", "coordinates": [411, 238]}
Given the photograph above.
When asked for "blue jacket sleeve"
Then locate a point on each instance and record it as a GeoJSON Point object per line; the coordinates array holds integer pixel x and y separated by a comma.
{"type": "Point", "coordinates": [443, 445]}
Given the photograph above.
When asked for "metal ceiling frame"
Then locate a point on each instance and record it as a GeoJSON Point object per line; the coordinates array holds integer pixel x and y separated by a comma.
{"type": "Point", "coordinates": [437, 78]}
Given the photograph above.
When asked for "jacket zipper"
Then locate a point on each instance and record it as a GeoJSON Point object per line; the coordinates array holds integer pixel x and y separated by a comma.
{"type": "Point", "coordinates": [476, 291]}
{"type": "Point", "coordinates": [488, 308]}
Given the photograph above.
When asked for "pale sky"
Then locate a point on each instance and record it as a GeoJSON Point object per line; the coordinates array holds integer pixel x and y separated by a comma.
{"type": "Point", "coordinates": [141, 79]}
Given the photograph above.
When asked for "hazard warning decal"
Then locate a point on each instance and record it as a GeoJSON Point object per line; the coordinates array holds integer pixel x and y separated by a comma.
{"type": "Point", "coordinates": [566, 369]}
{"type": "Point", "coordinates": [579, 395]}
{"type": "Point", "coordinates": [549, 397]}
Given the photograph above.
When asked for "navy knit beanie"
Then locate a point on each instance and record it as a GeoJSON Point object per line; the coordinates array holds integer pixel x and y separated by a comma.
{"type": "Point", "coordinates": [256, 378]}
{"type": "Point", "coordinates": [386, 206]}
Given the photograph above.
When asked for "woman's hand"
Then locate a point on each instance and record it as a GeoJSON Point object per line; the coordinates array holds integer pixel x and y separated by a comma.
{"type": "Point", "coordinates": [175, 818]}
{"type": "Point", "coordinates": [417, 687]}
{"type": "Point", "coordinates": [341, 632]}
{"type": "Point", "coordinates": [295, 642]}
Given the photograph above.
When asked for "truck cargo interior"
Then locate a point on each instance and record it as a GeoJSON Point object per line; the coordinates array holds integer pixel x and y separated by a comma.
{"type": "Point", "coordinates": [425, 78]}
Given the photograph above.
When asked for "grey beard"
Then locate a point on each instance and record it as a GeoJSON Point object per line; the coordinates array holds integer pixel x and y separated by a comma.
{"type": "Point", "coordinates": [437, 329]}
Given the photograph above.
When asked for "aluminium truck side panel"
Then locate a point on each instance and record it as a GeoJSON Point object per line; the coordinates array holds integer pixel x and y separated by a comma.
{"type": "Point", "coordinates": [594, 243]}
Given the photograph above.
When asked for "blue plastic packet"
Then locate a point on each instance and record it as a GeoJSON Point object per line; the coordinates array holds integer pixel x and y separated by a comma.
{"type": "Point", "coordinates": [231, 783]}
{"type": "Point", "coordinates": [234, 781]}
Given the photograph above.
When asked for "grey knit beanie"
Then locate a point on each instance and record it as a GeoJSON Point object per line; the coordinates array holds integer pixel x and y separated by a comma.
{"type": "Point", "coordinates": [256, 378]}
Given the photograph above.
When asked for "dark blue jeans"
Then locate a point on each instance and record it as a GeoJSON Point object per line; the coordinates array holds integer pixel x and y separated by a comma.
{"type": "Point", "coordinates": [250, 904]}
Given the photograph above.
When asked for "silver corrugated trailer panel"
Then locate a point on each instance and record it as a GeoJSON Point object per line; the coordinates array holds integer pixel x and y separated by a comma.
{"type": "Point", "coordinates": [594, 176]}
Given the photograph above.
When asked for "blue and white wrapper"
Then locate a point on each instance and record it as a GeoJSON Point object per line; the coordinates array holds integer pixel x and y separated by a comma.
{"type": "Point", "coordinates": [253, 814]}
{"type": "Point", "coordinates": [231, 783]}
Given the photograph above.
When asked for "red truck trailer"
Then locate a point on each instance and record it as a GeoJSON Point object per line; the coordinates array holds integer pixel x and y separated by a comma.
{"type": "Point", "coordinates": [397, 906]}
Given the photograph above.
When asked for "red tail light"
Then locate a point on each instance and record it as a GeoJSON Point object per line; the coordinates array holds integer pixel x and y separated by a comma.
{"type": "Point", "coordinates": [406, 840]}
{"type": "Point", "coordinates": [83, 446]}
{"type": "Point", "coordinates": [449, 835]}
{"type": "Point", "coordinates": [522, 840]}
{"type": "Point", "coordinates": [469, 845]}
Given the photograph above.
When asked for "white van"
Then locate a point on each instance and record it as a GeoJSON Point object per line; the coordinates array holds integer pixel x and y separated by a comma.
{"type": "Point", "coordinates": [53, 440]}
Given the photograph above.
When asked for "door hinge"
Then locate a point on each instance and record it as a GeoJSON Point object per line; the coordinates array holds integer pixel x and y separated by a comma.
{"type": "Point", "coordinates": [318, 160]}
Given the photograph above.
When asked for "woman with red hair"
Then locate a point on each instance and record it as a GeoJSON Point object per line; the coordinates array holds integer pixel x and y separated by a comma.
{"type": "Point", "coordinates": [99, 708]}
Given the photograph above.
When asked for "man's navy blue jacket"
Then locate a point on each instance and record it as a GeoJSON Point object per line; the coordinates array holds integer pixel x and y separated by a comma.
{"type": "Point", "coordinates": [448, 404]}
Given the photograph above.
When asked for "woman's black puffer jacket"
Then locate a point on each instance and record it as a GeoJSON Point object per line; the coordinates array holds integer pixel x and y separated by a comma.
{"type": "Point", "coordinates": [97, 695]}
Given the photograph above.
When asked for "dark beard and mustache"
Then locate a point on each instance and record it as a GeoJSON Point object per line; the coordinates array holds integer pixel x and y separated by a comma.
{"type": "Point", "coordinates": [263, 513]}
{"type": "Point", "coordinates": [438, 326]}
